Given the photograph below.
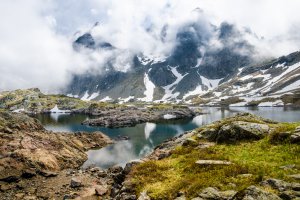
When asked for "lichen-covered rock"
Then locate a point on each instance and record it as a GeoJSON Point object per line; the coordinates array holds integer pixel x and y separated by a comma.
{"type": "Point", "coordinates": [239, 130]}
{"type": "Point", "coordinates": [255, 193]}
{"type": "Point", "coordinates": [211, 193]}
{"type": "Point", "coordinates": [281, 185]}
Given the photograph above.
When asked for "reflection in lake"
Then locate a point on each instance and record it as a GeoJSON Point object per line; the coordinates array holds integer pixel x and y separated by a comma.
{"type": "Point", "coordinates": [144, 137]}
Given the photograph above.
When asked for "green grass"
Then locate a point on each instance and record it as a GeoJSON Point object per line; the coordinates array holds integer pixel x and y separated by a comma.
{"type": "Point", "coordinates": [164, 178]}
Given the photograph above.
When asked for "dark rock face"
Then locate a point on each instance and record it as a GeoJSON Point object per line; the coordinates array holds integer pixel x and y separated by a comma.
{"type": "Point", "coordinates": [86, 40]}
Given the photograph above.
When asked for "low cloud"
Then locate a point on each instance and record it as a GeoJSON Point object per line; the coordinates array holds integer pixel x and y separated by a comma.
{"type": "Point", "coordinates": [36, 36]}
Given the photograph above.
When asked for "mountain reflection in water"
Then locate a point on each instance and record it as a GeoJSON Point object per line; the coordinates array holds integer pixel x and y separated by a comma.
{"type": "Point", "coordinates": [144, 137]}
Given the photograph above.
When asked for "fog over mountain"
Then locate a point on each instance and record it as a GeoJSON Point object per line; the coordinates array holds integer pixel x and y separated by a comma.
{"type": "Point", "coordinates": [37, 39]}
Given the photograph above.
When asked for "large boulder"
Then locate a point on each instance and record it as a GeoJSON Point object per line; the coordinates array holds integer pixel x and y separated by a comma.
{"type": "Point", "coordinates": [235, 131]}
{"type": "Point", "coordinates": [240, 130]}
{"type": "Point", "coordinates": [211, 193]}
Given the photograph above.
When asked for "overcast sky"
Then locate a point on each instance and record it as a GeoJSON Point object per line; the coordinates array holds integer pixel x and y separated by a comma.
{"type": "Point", "coordinates": [36, 35]}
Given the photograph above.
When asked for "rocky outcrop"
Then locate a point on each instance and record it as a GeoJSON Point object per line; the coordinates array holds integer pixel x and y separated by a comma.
{"type": "Point", "coordinates": [254, 192]}
{"type": "Point", "coordinates": [28, 151]}
{"type": "Point", "coordinates": [213, 193]}
{"type": "Point", "coordinates": [130, 116]}
{"type": "Point", "coordinates": [235, 129]}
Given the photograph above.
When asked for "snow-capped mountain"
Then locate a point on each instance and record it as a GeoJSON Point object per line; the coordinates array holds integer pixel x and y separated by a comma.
{"type": "Point", "coordinates": [195, 66]}
{"type": "Point", "coordinates": [273, 83]}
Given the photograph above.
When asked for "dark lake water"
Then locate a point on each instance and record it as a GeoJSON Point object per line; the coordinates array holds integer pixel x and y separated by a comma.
{"type": "Point", "coordinates": [144, 137]}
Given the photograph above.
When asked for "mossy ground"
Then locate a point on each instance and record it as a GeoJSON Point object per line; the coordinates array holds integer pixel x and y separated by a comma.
{"type": "Point", "coordinates": [163, 179]}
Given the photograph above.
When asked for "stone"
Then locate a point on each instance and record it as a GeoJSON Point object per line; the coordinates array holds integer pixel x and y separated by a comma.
{"type": "Point", "coordinates": [245, 175]}
{"type": "Point", "coordinates": [100, 190]}
{"type": "Point", "coordinates": [281, 185]}
{"type": "Point", "coordinates": [19, 195]}
{"type": "Point", "coordinates": [180, 198]}
{"type": "Point", "coordinates": [189, 142]}
{"type": "Point", "coordinates": [10, 179]}
{"type": "Point", "coordinates": [295, 176]}
{"type": "Point", "coordinates": [290, 195]}
{"type": "Point", "coordinates": [255, 193]}
{"type": "Point", "coordinates": [295, 138]}
{"type": "Point", "coordinates": [47, 173]}
{"type": "Point", "coordinates": [28, 173]}
{"type": "Point", "coordinates": [213, 193]}
{"type": "Point", "coordinates": [213, 162]}
{"type": "Point", "coordinates": [95, 169]}
{"type": "Point", "coordinates": [275, 184]}
{"type": "Point", "coordinates": [209, 134]}
{"type": "Point", "coordinates": [144, 196]}
{"type": "Point", "coordinates": [287, 167]}
{"type": "Point", "coordinates": [130, 164]}
{"type": "Point", "coordinates": [75, 182]}
{"type": "Point", "coordinates": [5, 186]}
{"type": "Point", "coordinates": [240, 130]}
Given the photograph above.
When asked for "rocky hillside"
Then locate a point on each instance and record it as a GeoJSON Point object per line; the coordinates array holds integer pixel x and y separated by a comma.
{"type": "Point", "coordinates": [238, 158]}
{"type": "Point", "coordinates": [273, 83]}
{"type": "Point", "coordinates": [193, 67]}
{"type": "Point", "coordinates": [34, 101]}
{"type": "Point", "coordinates": [29, 155]}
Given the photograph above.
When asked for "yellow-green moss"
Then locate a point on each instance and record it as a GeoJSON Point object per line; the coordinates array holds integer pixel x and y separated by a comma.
{"type": "Point", "coordinates": [164, 178]}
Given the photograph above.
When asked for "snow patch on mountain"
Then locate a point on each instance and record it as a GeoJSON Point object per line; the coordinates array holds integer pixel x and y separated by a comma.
{"type": "Point", "coordinates": [149, 89]}
{"type": "Point", "coordinates": [210, 83]}
{"type": "Point", "coordinates": [125, 100]}
{"type": "Point", "coordinates": [271, 104]}
{"type": "Point", "coordinates": [87, 97]}
{"type": "Point", "coordinates": [107, 98]}
{"type": "Point", "coordinates": [290, 87]}
{"type": "Point", "coordinates": [170, 88]}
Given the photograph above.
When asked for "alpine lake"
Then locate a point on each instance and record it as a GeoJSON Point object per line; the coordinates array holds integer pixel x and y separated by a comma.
{"type": "Point", "coordinates": [144, 137]}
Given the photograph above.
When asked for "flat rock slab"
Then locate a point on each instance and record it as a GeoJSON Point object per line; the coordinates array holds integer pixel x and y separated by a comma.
{"type": "Point", "coordinates": [213, 162]}
{"type": "Point", "coordinates": [295, 176]}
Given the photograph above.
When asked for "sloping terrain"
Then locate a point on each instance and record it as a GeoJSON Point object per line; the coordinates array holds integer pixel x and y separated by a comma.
{"type": "Point", "coordinates": [274, 83]}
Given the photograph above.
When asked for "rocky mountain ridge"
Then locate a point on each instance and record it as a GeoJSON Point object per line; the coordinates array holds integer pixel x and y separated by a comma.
{"type": "Point", "coordinates": [195, 68]}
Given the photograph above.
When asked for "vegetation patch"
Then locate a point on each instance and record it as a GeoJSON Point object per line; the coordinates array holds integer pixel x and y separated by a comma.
{"type": "Point", "coordinates": [252, 162]}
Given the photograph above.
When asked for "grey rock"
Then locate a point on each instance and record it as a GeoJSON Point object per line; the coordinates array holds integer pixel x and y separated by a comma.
{"type": "Point", "coordinates": [290, 195]}
{"type": "Point", "coordinates": [189, 142]}
{"type": "Point", "coordinates": [295, 176]}
{"type": "Point", "coordinates": [130, 164]}
{"type": "Point", "coordinates": [211, 193]}
{"type": "Point", "coordinates": [100, 190]}
{"type": "Point", "coordinates": [46, 173]}
{"type": "Point", "coordinates": [255, 193]}
{"type": "Point", "coordinates": [144, 196]}
{"type": "Point", "coordinates": [213, 162]}
{"type": "Point", "coordinates": [75, 182]}
{"type": "Point", "coordinates": [295, 138]}
{"type": "Point", "coordinates": [209, 134]}
{"type": "Point", "coordinates": [240, 130]}
{"type": "Point", "coordinates": [281, 185]}
{"type": "Point", "coordinates": [287, 167]}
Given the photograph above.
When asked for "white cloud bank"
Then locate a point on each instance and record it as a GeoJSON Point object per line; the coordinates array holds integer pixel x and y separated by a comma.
{"type": "Point", "coordinates": [36, 36]}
